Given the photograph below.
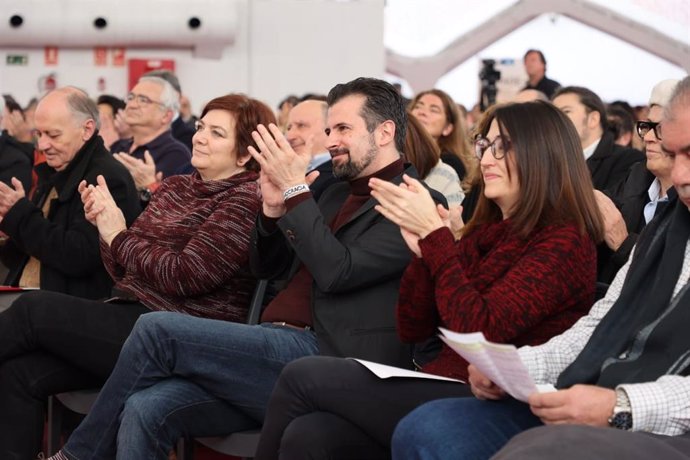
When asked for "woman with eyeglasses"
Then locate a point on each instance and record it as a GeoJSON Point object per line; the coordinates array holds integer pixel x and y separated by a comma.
{"type": "Point", "coordinates": [188, 252]}
{"type": "Point", "coordinates": [646, 191]}
{"type": "Point", "coordinates": [522, 271]}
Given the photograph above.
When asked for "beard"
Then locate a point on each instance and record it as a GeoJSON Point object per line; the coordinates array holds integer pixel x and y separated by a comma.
{"type": "Point", "coordinates": [351, 169]}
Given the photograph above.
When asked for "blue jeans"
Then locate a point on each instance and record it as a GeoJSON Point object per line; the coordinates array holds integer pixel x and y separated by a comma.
{"type": "Point", "coordinates": [460, 428]}
{"type": "Point", "coordinates": [179, 375]}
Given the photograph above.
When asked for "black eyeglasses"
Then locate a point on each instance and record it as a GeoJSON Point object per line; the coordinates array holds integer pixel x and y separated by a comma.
{"type": "Point", "coordinates": [498, 147]}
{"type": "Point", "coordinates": [643, 128]}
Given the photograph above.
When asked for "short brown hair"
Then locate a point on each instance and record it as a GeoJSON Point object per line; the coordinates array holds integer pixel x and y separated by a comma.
{"type": "Point", "coordinates": [248, 113]}
{"type": "Point", "coordinates": [555, 184]}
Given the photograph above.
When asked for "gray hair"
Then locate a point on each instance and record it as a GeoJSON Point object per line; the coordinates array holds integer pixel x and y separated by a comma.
{"type": "Point", "coordinates": [679, 98]}
{"type": "Point", "coordinates": [169, 97]}
{"type": "Point", "coordinates": [80, 105]}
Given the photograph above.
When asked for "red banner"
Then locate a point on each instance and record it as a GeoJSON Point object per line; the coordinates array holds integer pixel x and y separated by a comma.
{"type": "Point", "coordinates": [50, 55]}
{"type": "Point", "coordinates": [100, 56]}
{"type": "Point", "coordinates": [118, 57]}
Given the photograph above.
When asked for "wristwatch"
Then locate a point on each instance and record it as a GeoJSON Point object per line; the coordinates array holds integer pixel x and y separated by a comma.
{"type": "Point", "coordinates": [145, 195]}
{"type": "Point", "coordinates": [621, 417]}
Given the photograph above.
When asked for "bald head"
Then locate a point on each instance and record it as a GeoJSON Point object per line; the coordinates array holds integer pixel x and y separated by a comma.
{"type": "Point", "coordinates": [530, 95]}
{"type": "Point", "coordinates": [65, 119]}
{"type": "Point", "coordinates": [307, 120]}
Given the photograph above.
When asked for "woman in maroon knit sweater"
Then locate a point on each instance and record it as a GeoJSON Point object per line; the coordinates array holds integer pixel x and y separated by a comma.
{"type": "Point", "coordinates": [521, 271]}
{"type": "Point", "coordinates": [188, 252]}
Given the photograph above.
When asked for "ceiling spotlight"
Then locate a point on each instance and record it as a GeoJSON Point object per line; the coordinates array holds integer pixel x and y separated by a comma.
{"type": "Point", "coordinates": [16, 21]}
{"type": "Point", "coordinates": [194, 22]}
{"type": "Point", "coordinates": [100, 23]}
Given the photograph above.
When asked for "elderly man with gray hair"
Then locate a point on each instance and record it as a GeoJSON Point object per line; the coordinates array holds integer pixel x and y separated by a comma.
{"type": "Point", "coordinates": [645, 193]}
{"type": "Point", "coordinates": [49, 243]}
{"type": "Point", "coordinates": [151, 106]}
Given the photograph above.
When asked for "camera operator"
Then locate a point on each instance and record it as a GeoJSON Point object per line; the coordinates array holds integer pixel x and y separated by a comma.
{"type": "Point", "coordinates": [535, 66]}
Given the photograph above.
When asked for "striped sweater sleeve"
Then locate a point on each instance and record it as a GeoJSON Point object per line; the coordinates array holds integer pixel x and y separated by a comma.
{"type": "Point", "coordinates": [199, 267]}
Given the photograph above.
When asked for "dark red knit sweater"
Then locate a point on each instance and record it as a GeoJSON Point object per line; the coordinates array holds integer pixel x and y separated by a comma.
{"type": "Point", "coordinates": [519, 291]}
{"type": "Point", "coordinates": [189, 250]}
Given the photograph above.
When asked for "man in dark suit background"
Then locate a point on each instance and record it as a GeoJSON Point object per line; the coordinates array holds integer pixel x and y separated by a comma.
{"type": "Point", "coordinates": [535, 66]}
{"type": "Point", "coordinates": [609, 163]}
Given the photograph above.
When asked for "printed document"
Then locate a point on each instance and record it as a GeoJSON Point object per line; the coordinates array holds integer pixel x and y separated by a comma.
{"type": "Point", "coordinates": [501, 363]}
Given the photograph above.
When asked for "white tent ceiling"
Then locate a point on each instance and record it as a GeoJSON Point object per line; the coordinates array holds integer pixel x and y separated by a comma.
{"type": "Point", "coordinates": [619, 49]}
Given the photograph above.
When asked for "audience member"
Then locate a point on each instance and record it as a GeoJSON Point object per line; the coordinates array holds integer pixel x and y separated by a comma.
{"type": "Point", "coordinates": [623, 366]}
{"type": "Point", "coordinates": [473, 117]}
{"type": "Point", "coordinates": [108, 107]}
{"type": "Point", "coordinates": [306, 133]}
{"type": "Point", "coordinates": [181, 129]}
{"type": "Point", "coordinates": [522, 272]}
{"type": "Point", "coordinates": [645, 193]}
{"type": "Point", "coordinates": [530, 95]}
{"type": "Point", "coordinates": [313, 97]}
{"type": "Point", "coordinates": [621, 124]}
{"type": "Point", "coordinates": [535, 66]}
{"type": "Point", "coordinates": [284, 108]}
{"type": "Point", "coordinates": [186, 112]}
{"type": "Point", "coordinates": [16, 121]}
{"type": "Point", "coordinates": [16, 157]}
{"type": "Point", "coordinates": [423, 152]}
{"type": "Point", "coordinates": [637, 143]}
{"type": "Point", "coordinates": [199, 377]}
{"type": "Point", "coordinates": [188, 252]}
{"type": "Point", "coordinates": [151, 105]}
{"type": "Point", "coordinates": [439, 114]}
{"type": "Point", "coordinates": [608, 162]}
{"type": "Point", "coordinates": [641, 112]}
{"type": "Point", "coordinates": [51, 245]}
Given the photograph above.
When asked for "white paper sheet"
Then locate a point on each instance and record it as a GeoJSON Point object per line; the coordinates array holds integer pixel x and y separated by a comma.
{"type": "Point", "coordinates": [384, 372]}
{"type": "Point", "coordinates": [501, 363]}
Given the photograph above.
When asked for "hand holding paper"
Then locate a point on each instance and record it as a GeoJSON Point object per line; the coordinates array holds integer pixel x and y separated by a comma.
{"type": "Point", "coordinates": [499, 362]}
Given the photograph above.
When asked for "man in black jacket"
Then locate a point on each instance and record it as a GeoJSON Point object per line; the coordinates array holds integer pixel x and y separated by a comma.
{"type": "Point", "coordinates": [50, 244]}
{"type": "Point", "coordinates": [535, 66]}
{"type": "Point", "coordinates": [609, 163]}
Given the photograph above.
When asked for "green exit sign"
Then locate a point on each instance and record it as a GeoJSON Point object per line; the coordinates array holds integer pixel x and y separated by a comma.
{"type": "Point", "coordinates": [17, 59]}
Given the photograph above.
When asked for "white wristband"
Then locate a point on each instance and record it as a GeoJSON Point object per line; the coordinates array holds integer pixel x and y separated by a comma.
{"type": "Point", "coordinates": [295, 190]}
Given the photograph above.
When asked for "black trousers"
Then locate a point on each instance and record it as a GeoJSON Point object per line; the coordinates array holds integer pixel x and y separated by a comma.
{"type": "Point", "coordinates": [51, 343]}
{"type": "Point", "coordinates": [333, 408]}
{"type": "Point", "coordinates": [577, 442]}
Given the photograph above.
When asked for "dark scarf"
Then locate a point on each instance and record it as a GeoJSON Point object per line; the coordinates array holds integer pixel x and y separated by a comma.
{"type": "Point", "coordinates": [641, 338]}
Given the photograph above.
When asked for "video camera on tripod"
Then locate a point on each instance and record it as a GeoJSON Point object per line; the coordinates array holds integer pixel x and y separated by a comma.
{"type": "Point", "coordinates": [488, 76]}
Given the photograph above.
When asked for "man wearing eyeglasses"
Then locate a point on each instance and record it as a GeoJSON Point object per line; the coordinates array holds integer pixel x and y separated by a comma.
{"type": "Point", "coordinates": [151, 106]}
{"type": "Point", "coordinates": [645, 193]}
{"type": "Point", "coordinates": [608, 162]}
